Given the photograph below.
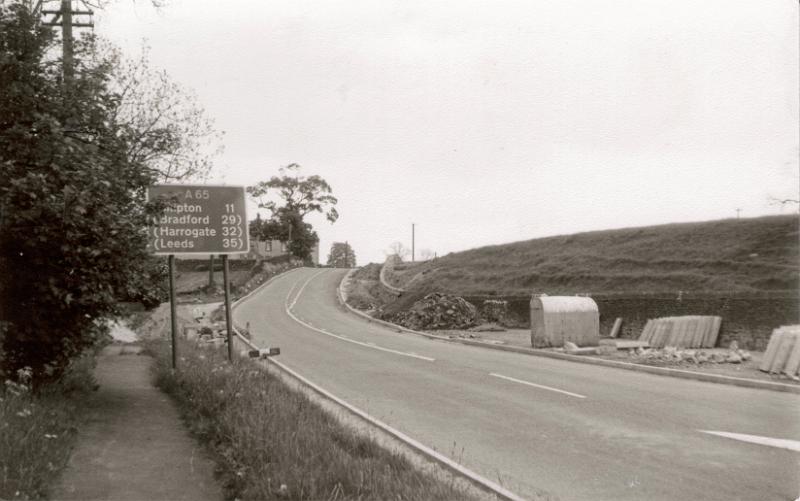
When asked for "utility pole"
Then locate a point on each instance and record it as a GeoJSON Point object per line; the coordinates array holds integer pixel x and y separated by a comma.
{"type": "Point", "coordinates": [63, 19]}
{"type": "Point", "coordinates": [737, 213]}
{"type": "Point", "coordinates": [412, 242]}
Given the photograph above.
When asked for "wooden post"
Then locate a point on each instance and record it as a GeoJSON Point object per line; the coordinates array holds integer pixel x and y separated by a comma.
{"type": "Point", "coordinates": [617, 325]}
{"type": "Point", "coordinates": [228, 319]}
{"type": "Point", "coordinates": [172, 308]}
{"type": "Point", "coordinates": [66, 36]}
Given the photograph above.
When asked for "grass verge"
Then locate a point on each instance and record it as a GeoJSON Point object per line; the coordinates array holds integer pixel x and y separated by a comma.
{"type": "Point", "coordinates": [38, 430]}
{"type": "Point", "coordinates": [271, 442]}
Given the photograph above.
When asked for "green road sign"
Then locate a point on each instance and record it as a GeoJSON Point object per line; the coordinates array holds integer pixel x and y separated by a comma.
{"type": "Point", "coordinates": [200, 219]}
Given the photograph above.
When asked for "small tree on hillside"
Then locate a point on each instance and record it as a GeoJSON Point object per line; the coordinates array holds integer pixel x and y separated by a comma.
{"type": "Point", "coordinates": [342, 255]}
{"type": "Point", "coordinates": [399, 250]}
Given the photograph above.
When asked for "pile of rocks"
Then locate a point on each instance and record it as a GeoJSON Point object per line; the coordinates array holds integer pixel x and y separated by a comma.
{"type": "Point", "coordinates": [439, 311]}
{"type": "Point", "coordinates": [670, 354]}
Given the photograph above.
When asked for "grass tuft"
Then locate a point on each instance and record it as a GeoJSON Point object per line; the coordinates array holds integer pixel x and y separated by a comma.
{"type": "Point", "coordinates": [38, 429]}
{"type": "Point", "coordinates": [271, 442]}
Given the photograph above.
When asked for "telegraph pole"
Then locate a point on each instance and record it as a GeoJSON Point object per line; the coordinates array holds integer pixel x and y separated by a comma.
{"type": "Point", "coordinates": [737, 213]}
{"type": "Point", "coordinates": [63, 18]}
{"type": "Point", "coordinates": [412, 242]}
{"type": "Point", "coordinates": [66, 40]}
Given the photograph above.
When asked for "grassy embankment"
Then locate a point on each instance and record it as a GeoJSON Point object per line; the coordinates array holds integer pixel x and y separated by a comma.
{"type": "Point", "coordinates": [271, 442]}
{"type": "Point", "coordinates": [38, 430]}
{"type": "Point", "coordinates": [729, 255]}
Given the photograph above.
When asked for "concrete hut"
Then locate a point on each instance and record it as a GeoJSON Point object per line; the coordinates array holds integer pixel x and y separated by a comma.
{"type": "Point", "coordinates": [557, 319]}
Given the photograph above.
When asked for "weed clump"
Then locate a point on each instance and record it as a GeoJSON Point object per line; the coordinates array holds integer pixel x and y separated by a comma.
{"type": "Point", "coordinates": [38, 428]}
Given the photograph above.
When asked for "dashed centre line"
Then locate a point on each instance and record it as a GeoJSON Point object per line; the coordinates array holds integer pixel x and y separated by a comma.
{"type": "Point", "coordinates": [541, 386]}
{"type": "Point", "coordinates": [781, 443]}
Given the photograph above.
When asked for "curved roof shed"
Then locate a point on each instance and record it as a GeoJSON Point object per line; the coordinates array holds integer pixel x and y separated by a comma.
{"type": "Point", "coordinates": [558, 319]}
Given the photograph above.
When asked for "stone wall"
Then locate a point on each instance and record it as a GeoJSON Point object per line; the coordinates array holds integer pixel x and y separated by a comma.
{"type": "Point", "coordinates": [747, 318]}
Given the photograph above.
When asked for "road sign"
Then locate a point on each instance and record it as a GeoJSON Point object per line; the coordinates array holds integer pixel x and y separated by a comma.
{"type": "Point", "coordinates": [200, 219]}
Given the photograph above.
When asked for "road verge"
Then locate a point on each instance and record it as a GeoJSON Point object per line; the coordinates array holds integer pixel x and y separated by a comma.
{"type": "Point", "coordinates": [660, 371]}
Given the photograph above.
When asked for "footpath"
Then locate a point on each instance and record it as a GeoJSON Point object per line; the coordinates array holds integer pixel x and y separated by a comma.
{"type": "Point", "coordinates": [134, 446]}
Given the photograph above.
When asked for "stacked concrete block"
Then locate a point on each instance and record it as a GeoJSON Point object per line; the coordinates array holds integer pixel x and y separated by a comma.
{"type": "Point", "coordinates": [783, 352]}
{"type": "Point", "coordinates": [690, 331]}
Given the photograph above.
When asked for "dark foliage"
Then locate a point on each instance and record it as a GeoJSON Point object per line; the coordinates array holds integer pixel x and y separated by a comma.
{"type": "Point", "coordinates": [73, 215]}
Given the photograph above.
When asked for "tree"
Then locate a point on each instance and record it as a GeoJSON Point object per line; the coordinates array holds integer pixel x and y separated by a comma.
{"type": "Point", "coordinates": [399, 250]}
{"type": "Point", "coordinates": [300, 236]}
{"type": "Point", "coordinates": [426, 254]}
{"type": "Point", "coordinates": [289, 198]}
{"type": "Point", "coordinates": [342, 255]}
{"type": "Point", "coordinates": [73, 214]}
{"type": "Point", "coordinates": [166, 128]}
{"type": "Point", "coordinates": [266, 229]}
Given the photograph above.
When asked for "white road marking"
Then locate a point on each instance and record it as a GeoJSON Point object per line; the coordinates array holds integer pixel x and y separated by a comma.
{"type": "Point", "coordinates": [289, 307]}
{"type": "Point", "coordinates": [520, 381]}
{"type": "Point", "coordinates": [312, 277]}
{"type": "Point", "coordinates": [781, 443]}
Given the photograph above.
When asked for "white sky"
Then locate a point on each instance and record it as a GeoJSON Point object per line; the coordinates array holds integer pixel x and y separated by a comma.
{"type": "Point", "coordinates": [486, 122]}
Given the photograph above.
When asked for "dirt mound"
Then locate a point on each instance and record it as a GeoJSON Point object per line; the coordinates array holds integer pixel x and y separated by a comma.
{"type": "Point", "coordinates": [439, 311]}
{"type": "Point", "coordinates": [364, 291]}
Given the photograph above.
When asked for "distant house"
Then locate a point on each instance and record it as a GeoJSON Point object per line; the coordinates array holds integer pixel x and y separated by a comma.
{"type": "Point", "coordinates": [259, 250]}
{"type": "Point", "coordinates": [275, 248]}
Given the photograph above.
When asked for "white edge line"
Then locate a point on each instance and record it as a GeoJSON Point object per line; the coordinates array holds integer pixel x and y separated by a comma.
{"type": "Point", "coordinates": [258, 289]}
{"type": "Point", "coordinates": [781, 443]}
{"type": "Point", "coordinates": [537, 385]}
{"type": "Point", "coordinates": [289, 307]}
{"type": "Point", "coordinates": [476, 478]}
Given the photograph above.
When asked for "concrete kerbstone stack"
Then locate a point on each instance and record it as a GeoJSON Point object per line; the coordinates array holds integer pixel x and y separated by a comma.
{"type": "Point", "coordinates": [690, 331]}
{"type": "Point", "coordinates": [783, 352]}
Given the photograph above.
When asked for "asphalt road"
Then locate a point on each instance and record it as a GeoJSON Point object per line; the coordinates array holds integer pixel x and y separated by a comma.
{"type": "Point", "coordinates": [536, 425]}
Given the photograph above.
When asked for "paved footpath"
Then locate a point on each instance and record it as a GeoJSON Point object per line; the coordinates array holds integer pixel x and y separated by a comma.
{"type": "Point", "coordinates": [134, 446]}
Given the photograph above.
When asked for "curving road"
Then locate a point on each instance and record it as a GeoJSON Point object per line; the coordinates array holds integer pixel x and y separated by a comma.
{"type": "Point", "coordinates": [536, 425]}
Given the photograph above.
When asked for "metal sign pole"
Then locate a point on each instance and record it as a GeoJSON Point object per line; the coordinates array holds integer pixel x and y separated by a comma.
{"type": "Point", "coordinates": [228, 319]}
{"type": "Point", "coordinates": [173, 315]}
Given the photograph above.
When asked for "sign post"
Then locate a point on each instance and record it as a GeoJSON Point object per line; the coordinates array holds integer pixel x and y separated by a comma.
{"type": "Point", "coordinates": [172, 314]}
{"type": "Point", "coordinates": [228, 318]}
{"type": "Point", "coordinates": [199, 219]}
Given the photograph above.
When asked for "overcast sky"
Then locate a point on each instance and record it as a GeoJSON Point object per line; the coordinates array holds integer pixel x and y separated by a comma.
{"type": "Point", "coordinates": [486, 122]}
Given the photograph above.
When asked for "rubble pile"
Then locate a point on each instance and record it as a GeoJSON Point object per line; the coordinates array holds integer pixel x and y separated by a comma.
{"type": "Point", "coordinates": [439, 311]}
{"type": "Point", "coordinates": [671, 354]}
